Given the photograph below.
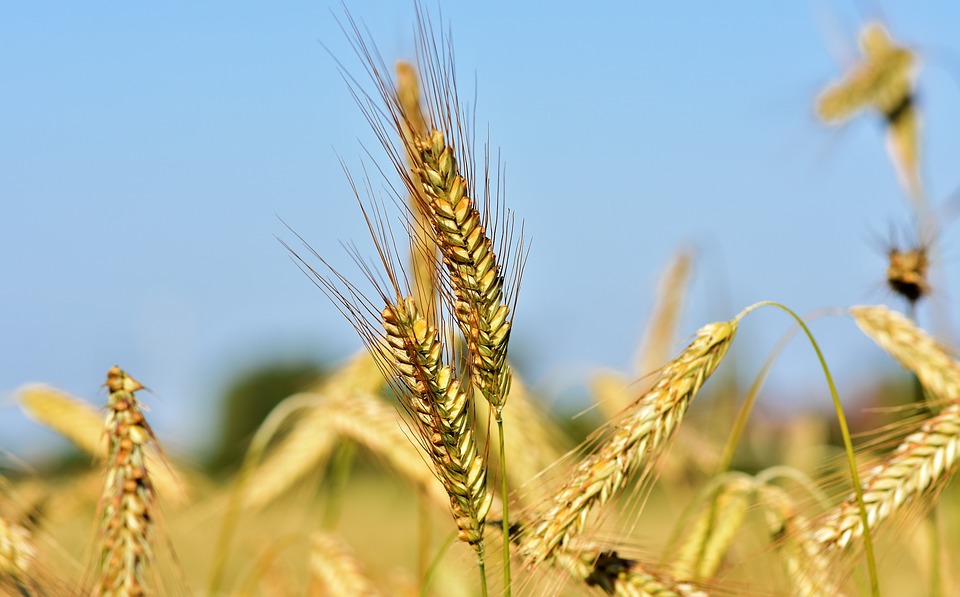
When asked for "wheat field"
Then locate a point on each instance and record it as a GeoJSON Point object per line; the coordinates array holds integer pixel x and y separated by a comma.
{"type": "Point", "coordinates": [425, 464]}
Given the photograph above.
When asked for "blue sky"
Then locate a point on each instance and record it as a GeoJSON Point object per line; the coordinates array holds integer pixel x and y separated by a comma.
{"type": "Point", "coordinates": [146, 152]}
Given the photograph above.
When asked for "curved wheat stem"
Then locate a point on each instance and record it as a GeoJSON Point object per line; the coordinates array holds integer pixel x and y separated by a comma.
{"type": "Point", "coordinates": [129, 502]}
{"type": "Point", "coordinates": [631, 444]}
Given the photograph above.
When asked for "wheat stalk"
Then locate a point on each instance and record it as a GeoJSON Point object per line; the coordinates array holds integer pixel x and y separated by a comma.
{"type": "Point", "coordinates": [630, 445]}
{"type": "Point", "coordinates": [129, 502]}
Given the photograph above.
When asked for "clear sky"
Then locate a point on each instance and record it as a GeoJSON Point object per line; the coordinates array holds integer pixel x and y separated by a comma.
{"type": "Point", "coordinates": [147, 150]}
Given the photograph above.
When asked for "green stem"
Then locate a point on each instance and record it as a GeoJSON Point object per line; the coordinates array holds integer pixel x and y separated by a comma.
{"type": "Point", "coordinates": [744, 413]}
{"type": "Point", "coordinates": [847, 442]}
{"type": "Point", "coordinates": [506, 510]}
{"type": "Point", "coordinates": [432, 569]}
{"type": "Point", "coordinates": [424, 568]}
{"type": "Point", "coordinates": [483, 570]}
{"type": "Point", "coordinates": [339, 476]}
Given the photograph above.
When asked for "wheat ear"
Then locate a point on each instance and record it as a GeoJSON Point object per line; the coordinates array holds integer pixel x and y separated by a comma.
{"type": "Point", "coordinates": [807, 567]}
{"type": "Point", "coordinates": [128, 503]}
{"type": "Point", "coordinates": [442, 415]}
{"type": "Point", "coordinates": [630, 444]}
{"type": "Point", "coordinates": [881, 80]}
{"type": "Point", "coordinates": [918, 467]}
{"type": "Point", "coordinates": [423, 248]}
{"type": "Point", "coordinates": [934, 366]}
{"type": "Point", "coordinates": [468, 255]}
{"type": "Point", "coordinates": [706, 540]}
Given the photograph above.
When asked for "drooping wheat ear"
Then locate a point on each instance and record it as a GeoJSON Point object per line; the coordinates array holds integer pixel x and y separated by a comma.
{"type": "Point", "coordinates": [359, 417]}
{"type": "Point", "coordinates": [17, 557]}
{"type": "Point", "coordinates": [128, 503]}
{"type": "Point", "coordinates": [808, 570]}
{"type": "Point", "coordinates": [917, 468]}
{"type": "Point", "coordinates": [934, 366]}
{"type": "Point", "coordinates": [334, 569]}
{"type": "Point", "coordinates": [80, 423]}
{"type": "Point", "coordinates": [619, 576]}
{"type": "Point", "coordinates": [881, 81]}
{"type": "Point", "coordinates": [884, 81]}
{"type": "Point", "coordinates": [423, 248]}
{"type": "Point", "coordinates": [706, 540]}
{"type": "Point", "coordinates": [468, 255]}
{"type": "Point", "coordinates": [629, 445]}
{"type": "Point", "coordinates": [442, 413]}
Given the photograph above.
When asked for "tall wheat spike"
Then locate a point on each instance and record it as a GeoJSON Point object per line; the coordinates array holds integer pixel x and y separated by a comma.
{"type": "Point", "coordinates": [436, 165]}
{"type": "Point", "coordinates": [128, 506]}
{"type": "Point", "coordinates": [629, 446]}
{"type": "Point", "coordinates": [423, 248]}
{"type": "Point", "coordinates": [442, 416]}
